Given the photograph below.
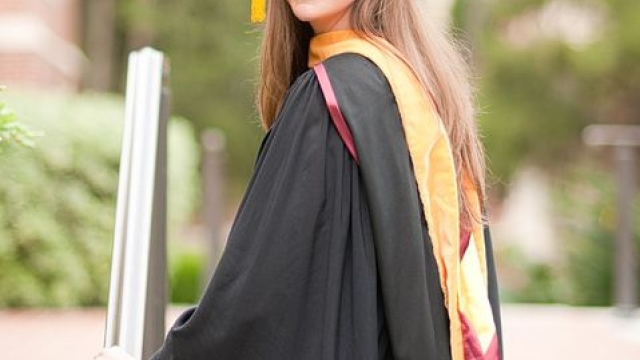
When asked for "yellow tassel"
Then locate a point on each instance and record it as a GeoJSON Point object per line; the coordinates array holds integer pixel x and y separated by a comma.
{"type": "Point", "coordinates": [258, 10]}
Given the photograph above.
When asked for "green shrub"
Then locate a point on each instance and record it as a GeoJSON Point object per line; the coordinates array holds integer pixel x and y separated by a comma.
{"type": "Point", "coordinates": [524, 280]}
{"type": "Point", "coordinates": [58, 199]}
{"type": "Point", "coordinates": [11, 131]}
{"type": "Point", "coordinates": [186, 270]}
{"type": "Point", "coordinates": [586, 207]}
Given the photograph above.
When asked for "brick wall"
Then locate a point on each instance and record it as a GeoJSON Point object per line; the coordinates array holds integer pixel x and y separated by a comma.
{"type": "Point", "coordinates": [39, 44]}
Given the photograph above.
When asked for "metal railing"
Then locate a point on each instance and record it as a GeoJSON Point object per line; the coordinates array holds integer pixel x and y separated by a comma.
{"type": "Point", "coordinates": [138, 287]}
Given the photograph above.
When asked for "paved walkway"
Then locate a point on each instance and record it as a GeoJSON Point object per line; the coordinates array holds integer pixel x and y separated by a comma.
{"type": "Point", "coordinates": [531, 332]}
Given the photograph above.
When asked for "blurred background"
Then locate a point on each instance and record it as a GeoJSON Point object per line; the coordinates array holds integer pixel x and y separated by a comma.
{"type": "Point", "coordinates": [544, 69]}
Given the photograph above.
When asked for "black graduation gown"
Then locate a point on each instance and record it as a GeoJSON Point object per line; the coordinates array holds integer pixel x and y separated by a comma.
{"type": "Point", "coordinates": [326, 260]}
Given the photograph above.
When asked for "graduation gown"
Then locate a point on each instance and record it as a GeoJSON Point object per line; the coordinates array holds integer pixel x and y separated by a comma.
{"type": "Point", "coordinates": [326, 260]}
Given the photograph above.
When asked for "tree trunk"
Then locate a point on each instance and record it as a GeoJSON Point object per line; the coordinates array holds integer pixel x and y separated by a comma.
{"type": "Point", "coordinates": [100, 43]}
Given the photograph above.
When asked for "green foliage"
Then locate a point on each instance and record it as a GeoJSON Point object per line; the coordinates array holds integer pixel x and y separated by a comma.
{"type": "Point", "coordinates": [11, 131]}
{"type": "Point", "coordinates": [213, 51]}
{"type": "Point", "coordinates": [526, 281]}
{"type": "Point", "coordinates": [186, 270]}
{"type": "Point", "coordinates": [536, 97]}
{"type": "Point", "coordinates": [58, 199]}
{"type": "Point", "coordinates": [586, 203]}
{"type": "Point", "coordinates": [212, 48]}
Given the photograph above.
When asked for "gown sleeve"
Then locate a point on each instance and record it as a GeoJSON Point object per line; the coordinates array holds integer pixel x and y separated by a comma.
{"type": "Point", "coordinates": [298, 278]}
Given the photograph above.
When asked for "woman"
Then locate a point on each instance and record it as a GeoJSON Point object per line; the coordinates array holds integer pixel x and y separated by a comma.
{"type": "Point", "coordinates": [364, 243]}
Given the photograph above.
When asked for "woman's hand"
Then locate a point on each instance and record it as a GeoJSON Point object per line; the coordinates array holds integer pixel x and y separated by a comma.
{"type": "Point", "coordinates": [113, 353]}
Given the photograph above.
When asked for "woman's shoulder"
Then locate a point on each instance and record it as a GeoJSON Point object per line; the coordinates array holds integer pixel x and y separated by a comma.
{"type": "Point", "coordinates": [347, 70]}
{"type": "Point", "coordinates": [356, 80]}
{"type": "Point", "coordinates": [361, 89]}
{"type": "Point", "coordinates": [357, 70]}
{"type": "Point", "coordinates": [359, 84]}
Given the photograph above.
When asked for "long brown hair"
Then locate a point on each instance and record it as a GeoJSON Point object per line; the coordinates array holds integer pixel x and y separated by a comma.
{"type": "Point", "coordinates": [430, 51]}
